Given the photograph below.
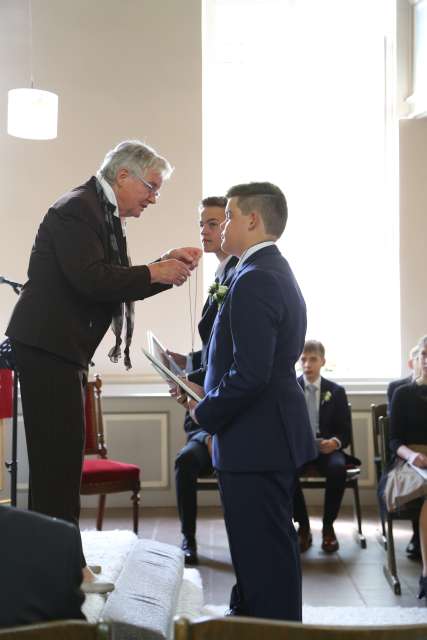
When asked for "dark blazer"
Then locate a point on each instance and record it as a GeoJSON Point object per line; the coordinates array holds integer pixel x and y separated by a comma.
{"type": "Point", "coordinates": [40, 569]}
{"type": "Point", "coordinates": [254, 405]}
{"type": "Point", "coordinates": [334, 413]}
{"type": "Point", "coordinates": [210, 309]}
{"type": "Point", "coordinates": [67, 303]}
{"type": "Point", "coordinates": [395, 384]}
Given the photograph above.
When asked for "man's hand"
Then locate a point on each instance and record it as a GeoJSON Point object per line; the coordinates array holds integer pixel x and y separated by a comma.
{"type": "Point", "coordinates": [420, 460]}
{"type": "Point", "coordinates": [169, 272]}
{"type": "Point", "coordinates": [328, 445]}
{"type": "Point", "coordinates": [179, 358]}
{"type": "Point", "coordinates": [189, 255]}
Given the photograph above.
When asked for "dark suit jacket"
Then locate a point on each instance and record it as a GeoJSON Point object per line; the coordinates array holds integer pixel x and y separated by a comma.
{"type": "Point", "coordinates": [67, 303]}
{"type": "Point", "coordinates": [254, 405]}
{"type": "Point", "coordinates": [209, 311]}
{"type": "Point", "coordinates": [39, 567]}
{"type": "Point", "coordinates": [334, 414]}
{"type": "Point", "coordinates": [395, 384]}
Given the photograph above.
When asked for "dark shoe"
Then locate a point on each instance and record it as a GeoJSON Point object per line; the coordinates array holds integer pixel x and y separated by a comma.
{"type": "Point", "coordinates": [189, 547]}
{"type": "Point", "coordinates": [413, 549]}
{"type": "Point", "coordinates": [231, 612]}
{"type": "Point", "coordinates": [423, 588]}
{"type": "Point", "coordinates": [305, 539]}
{"type": "Point", "coordinates": [329, 540]}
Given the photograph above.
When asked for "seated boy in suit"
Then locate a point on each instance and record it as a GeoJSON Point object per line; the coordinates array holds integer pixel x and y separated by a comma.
{"type": "Point", "coordinates": [331, 424]}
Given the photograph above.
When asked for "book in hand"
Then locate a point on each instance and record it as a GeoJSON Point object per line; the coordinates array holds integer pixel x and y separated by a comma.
{"type": "Point", "coordinates": [420, 470]}
{"type": "Point", "coordinates": [170, 376]}
{"type": "Point", "coordinates": [157, 350]}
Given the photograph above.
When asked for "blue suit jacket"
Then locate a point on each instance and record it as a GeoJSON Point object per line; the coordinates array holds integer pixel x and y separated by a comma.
{"type": "Point", "coordinates": [254, 405]}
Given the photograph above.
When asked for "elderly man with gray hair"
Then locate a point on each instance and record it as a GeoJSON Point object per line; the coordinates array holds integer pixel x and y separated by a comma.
{"type": "Point", "coordinates": [80, 282]}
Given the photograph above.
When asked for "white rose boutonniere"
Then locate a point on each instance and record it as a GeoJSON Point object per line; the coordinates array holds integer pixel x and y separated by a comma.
{"type": "Point", "coordinates": [326, 396]}
{"type": "Point", "coordinates": [218, 292]}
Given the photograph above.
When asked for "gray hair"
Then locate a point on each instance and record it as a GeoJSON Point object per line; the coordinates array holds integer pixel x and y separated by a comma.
{"type": "Point", "coordinates": [414, 352]}
{"type": "Point", "coordinates": [135, 156]}
{"type": "Point", "coordinates": [422, 343]}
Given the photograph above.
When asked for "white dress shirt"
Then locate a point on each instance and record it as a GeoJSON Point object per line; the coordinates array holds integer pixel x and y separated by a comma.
{"type": "Point", "coordinates": [256, 247]}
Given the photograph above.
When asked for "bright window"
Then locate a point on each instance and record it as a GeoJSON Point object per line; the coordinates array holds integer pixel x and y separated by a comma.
{"type": "Point", "coordinates": [294, 92]}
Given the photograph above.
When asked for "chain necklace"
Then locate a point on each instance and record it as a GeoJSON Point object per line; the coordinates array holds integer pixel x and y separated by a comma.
{"type": "Point", "coordinates": [192, 306]}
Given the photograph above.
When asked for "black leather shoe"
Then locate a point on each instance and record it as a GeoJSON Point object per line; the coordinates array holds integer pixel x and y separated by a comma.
{"type": "Point", "coordinates": [189, 547]}
{"type": "Point", "coordinates": [413, 550]}
{"type": "Point", "coordinates": [423, 587]}
{"type": "Point", "coordinates": [305, 539]}
{"type": "Point", "coordinates": [329, 540]}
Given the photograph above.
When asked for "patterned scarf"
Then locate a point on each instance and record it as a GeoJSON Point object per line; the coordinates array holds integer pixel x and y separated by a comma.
{"type": "Point", "coordinates": [124, 310]}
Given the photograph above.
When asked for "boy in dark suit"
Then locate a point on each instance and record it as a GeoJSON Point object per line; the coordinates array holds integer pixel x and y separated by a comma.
{"type": "Point", "coordinates": [194, 459]}
{"type": "Point", "coordinates": [254, 407]}
{"type": "Point", "coordinates": [330, 421]}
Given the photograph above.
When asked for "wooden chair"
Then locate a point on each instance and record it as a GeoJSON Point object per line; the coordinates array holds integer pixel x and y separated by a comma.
{"type": "Point", "coordinates": [253, 629]}
{"type": "Point", "coordinates": [101, 475]}
{"type": "Point", "coordinates": [409, 512]}
{"type": "Point", "coordinates": [378, 411]}
{"type": "Point", "coordinates": [311, 479]}
{"type": "Point", "coordinates": [64, 630]}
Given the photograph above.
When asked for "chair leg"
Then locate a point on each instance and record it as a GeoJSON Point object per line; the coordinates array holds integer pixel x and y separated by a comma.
{"type": "Point", "coordinates": [135, 509]}
{"type": "Point", "coordinates": [101, 509]}
{"type": "Point", "coordinates": [360, 537]}
{"type": "Point", "coordinates": [390, 570]}
{"type": "Point", "coordinates": [382, 535]}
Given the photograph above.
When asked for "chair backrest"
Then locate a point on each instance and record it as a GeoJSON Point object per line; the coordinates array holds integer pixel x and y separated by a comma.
{"type": "Point", "coordinates": [377, 411]}
{"type": "Point", "coordinates": [66, 630]}
{"type": "Point", "coordinates": [94, 425]}
{"type": "Point", "coordinates": [351, 431]}
{"type": "Point", "coordinates": [253, 629]}
{"type": "Point", "coordinates": [384, 422]}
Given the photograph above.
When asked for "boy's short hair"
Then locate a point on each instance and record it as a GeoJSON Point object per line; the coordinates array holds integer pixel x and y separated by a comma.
{"type": "Point", "coordinates": [314, 346]}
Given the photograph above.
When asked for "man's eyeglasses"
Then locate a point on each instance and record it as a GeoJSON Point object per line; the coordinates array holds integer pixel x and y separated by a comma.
{"type": "Point", "coordinates": [152, 189]}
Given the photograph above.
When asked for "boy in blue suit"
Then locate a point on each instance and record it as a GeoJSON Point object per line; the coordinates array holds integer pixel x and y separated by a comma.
{"type": "Point", "coordinates": [254, 407]}
{"type": "Point", "coordinates": [330, 419]}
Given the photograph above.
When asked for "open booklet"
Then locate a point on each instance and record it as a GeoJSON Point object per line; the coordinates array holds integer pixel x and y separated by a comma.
{"type": "Point", "coordinates": [170, 376]}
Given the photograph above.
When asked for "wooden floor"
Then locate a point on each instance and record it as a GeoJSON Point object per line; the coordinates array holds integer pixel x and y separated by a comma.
{"type": "Point", "coordinates": [351, 577]}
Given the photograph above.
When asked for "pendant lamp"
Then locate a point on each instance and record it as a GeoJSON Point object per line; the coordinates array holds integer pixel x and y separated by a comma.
{"type": "Point", "coordinates": [32, 113]}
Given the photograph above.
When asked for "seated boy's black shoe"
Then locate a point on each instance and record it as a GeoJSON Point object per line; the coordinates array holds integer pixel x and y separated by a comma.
{"type": "Point", "coordinates": [330, 543]}
{"type": "Point", "coordinates": [413, 549]}
{"type": "Point", "coordinates": [189, 547]}
{"type": "Point", "coordinates": [423, 587]}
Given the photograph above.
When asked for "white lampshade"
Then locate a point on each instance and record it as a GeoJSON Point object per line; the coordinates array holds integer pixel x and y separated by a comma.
{"type": "Point", "coordinates": [32, 114]}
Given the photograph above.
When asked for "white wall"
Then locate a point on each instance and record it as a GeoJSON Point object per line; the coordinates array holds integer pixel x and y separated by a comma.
{"type": "Point", "coordinates": [133, 69]}
{"type": "Point", "coordinates": [128, 69]}
{"type": "Point", "coordinates": [413, 231]}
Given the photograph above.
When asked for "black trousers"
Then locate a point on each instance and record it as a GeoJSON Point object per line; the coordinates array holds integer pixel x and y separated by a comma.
{"type": "Point", "coordinates": [263, 544]}
{"type": "Point", "coordinates": [332, 466]}
{"type": "Point", "coordinates": [53, 394]}
{"type": "Point", "coordinates": [192, 461]}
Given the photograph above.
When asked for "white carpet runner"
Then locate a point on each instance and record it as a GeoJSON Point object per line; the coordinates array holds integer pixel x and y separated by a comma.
{"type": "Point", "coordinates": [110, 548]}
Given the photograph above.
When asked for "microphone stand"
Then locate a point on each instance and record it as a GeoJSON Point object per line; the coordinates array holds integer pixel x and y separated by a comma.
{"type": "Point", "coordinates": [12, 465]}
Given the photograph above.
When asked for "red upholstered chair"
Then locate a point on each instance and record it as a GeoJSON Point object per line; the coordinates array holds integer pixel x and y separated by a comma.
{"type": "Point", "coordinates": [102, 475]}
